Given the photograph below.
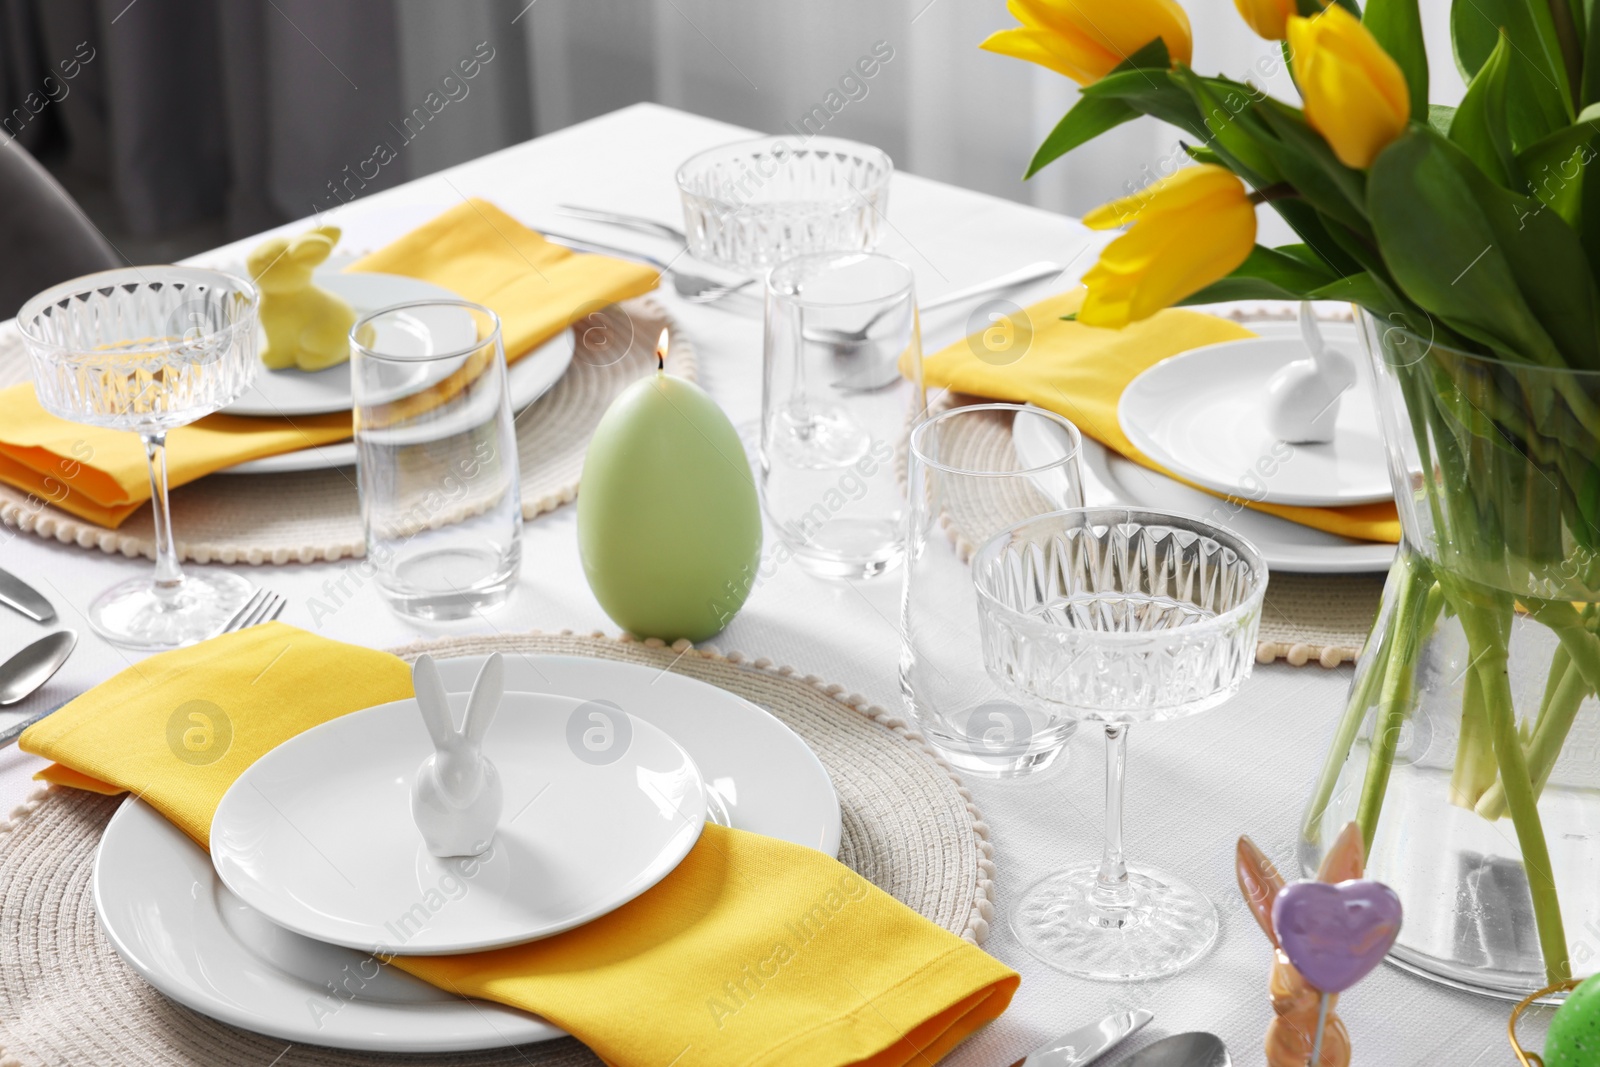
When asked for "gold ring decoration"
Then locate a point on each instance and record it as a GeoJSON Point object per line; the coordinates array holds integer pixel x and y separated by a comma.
{"type": "Point", "coordinates": [1533, 1059]}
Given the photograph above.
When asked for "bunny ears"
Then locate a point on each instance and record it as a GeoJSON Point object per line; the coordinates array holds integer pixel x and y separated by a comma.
{"type": "Point", "coordinates": [487, 690]}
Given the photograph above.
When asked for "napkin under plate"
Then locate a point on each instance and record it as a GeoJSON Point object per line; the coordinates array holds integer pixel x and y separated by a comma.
{"type": "Point", "coordinates": [1080, 372]}
{"type": "Point", "coordinates": [754, 951]}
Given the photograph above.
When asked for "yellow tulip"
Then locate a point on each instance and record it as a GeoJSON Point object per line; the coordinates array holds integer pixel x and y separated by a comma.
{"type": "Point", "coordinates": [1189, 230]}
{"type": "Point", "coordinates": [1267, 17]}
{"type": "Point", "coordinates": [1086, 39]}
{"type": "Point", "coordinates": [1355, 93]}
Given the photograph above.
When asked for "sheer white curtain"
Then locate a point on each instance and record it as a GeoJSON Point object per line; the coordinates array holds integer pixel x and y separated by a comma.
{"type": "Point", "coordinates": [939, 106]}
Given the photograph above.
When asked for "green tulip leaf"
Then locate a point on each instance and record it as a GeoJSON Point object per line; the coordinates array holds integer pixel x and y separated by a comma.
{"type": "Point", "coordinates": [1489, 263]}
{"type": "Point", "coordinates": [1397, 25]}
{"type": "Point", "coordinates": [1089, 118]}
{"type": "Point", "coordinates": [1539, 93]}
{"type": "Point", "coordinates": [1308, 164]}
{"type": "Point", "coordinates": [1225, 108]}
{"type": "Point", "coordinates": [1557, 168]}
{"type": "Point", "coordinates": [1151, 92]}
{"type": "Point", "coordinates": [1091, 115]}
{"type": "Point", "coordinates": [1440, 116]}
{"type": "Point", "coordinates": [1480, 127]}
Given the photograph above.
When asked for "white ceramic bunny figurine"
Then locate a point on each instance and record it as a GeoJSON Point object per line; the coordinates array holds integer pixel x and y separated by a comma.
{"type": "Point", "coordinates": [456, 795]}
{"type": "Point", "coordinates": [1303, 398]}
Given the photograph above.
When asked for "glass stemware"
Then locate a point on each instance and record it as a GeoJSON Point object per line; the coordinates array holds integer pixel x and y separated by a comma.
{"type": "Point", "coordinates": [1121, 617]}
{"type": "Point", "coordinates": [148, 349]}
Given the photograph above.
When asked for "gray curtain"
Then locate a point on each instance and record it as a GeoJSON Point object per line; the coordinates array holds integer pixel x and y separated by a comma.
{"type": "Point", "coordinates": [258, 111]}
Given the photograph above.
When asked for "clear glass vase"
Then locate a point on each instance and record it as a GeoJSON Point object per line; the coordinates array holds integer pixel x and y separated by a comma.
{"type": "Point", "coordinates": [1469, 748]}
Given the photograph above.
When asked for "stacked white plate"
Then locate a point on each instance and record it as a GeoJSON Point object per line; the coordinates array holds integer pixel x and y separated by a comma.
{"type": "Point", "coordinates": [260, 946]}
{"type": "Point", "coordinates": [294, 393]}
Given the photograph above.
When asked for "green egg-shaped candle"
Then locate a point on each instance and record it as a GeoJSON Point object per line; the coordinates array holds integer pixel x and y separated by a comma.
{"type": "Point", "coordinates": [1574, 1036]}
{"type": "Point", "coordinates": [669, 526]}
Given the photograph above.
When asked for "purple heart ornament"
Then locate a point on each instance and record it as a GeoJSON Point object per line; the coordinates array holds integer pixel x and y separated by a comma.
{"type": "Point", "coordinates": [1335, 934]}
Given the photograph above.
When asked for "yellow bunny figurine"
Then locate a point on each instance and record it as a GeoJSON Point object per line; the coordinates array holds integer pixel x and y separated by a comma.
{"type": "Point", "coordinates": [306, 327]}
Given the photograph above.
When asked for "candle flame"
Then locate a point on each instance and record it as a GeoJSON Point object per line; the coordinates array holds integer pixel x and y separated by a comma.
{"type": "Point", "coordinates": [662, 347]}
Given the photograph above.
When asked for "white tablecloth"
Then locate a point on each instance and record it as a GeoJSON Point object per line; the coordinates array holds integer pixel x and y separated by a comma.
{"type": "Point", "coordinates": [1193, 785]}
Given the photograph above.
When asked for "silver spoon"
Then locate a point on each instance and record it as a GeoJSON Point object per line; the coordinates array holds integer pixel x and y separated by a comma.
{"type": "Point", "coordinates": [33, 666]}
{"type": "Point", "coordinates": [1194, 1049]}
{"type": "Point", "coordinates": [876, 375]}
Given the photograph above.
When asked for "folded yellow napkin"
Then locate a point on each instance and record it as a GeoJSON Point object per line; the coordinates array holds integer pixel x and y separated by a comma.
{"type": "Point", "coordinates": [753, 951]}
{"type": "Point", "coordinates": [1080, 372]}
{"type": "Point", "coordinates": [101, 475]}
{"type": "Point", "coordinates": [537, 288]}
{"type": "Point", "coordinates": [475, 250]}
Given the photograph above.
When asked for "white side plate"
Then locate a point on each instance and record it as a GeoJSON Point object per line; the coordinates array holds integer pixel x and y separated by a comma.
{"type": "Point", "coordinates": [1109, 479]}
{"type": "Point", "coordinates": [1202, 414]}
{"type": "Point", "coordinates": [325, 844]}
{"type": "Point", "coordinates": [291, 392]}
{"type": "Point", "coordinates": [170, 917]}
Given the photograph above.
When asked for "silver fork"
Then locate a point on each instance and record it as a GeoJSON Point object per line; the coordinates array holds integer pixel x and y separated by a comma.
{"type": "Point", "coordinates": [637, 223]}
{"type": "Point", "coordinates": [263, 607]}
{"type": "Point", "coordinates": [695, 288]}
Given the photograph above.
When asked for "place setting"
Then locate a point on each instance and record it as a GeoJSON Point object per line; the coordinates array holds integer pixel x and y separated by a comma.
{"type": "Point", "coordinates": [883, 611]}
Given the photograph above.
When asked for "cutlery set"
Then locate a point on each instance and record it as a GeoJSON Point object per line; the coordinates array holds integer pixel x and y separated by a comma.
{"type": "Point", "coordinates": [1078, 1048]}
{"type": "Point", "coordinates": [30, 668]}
{"type": "Point", "coordinates": [702, 290]}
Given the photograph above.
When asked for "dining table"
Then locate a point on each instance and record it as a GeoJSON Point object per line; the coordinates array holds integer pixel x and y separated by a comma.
{"type": "Point", "coordinates": [1196, 785]}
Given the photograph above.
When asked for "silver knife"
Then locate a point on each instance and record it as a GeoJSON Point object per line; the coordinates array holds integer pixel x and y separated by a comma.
{"type": "Point", "coordinates": [16, 593]}
{"type": "Point", "coordinates": [1078, 1047]}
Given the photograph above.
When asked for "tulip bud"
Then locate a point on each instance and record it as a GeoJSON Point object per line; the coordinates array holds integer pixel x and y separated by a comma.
{"type": "Point", "coordinates": [1189, 230]}
{"type": "Point", "coordinates": [1269, 18]}
{"type": "Point", "coordinates": [1355, 94]}
{"type": "Point", "coordinates": [1086, 39]}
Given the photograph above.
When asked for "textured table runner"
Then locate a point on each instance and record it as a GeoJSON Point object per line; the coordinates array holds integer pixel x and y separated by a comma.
{"type": "Point", "coordinates": [66, 998]}
{"type": "Point", "coordinates": [306, 516]}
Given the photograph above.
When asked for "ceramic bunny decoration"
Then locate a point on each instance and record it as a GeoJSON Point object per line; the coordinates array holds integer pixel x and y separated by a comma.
{"type": "Point", "coordinates": [1294, 1001]}
{"type": "Point", "coordinates": [306, 327]}
{"type": "Point", "coordinates": [456, 795]}
{"type": "Point", "coordinates": [1303, 398]}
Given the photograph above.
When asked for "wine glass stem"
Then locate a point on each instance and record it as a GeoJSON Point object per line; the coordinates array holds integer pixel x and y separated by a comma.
{"type": "Point", "coordinates": [1111, 886]}
{"type": "Point", "coordinates": [169, 576]}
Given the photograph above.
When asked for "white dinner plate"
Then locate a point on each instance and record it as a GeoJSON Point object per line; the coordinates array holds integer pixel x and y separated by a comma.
{"type": "Point", "coordinates": [290, 392]}
{"type": "Point", "coordinates": [1111, 480]}
{"type": "Point", "coordinates": [527, 380]}
{"type": "Point", "coordinates": [1202, 414]}
{"type": "Point", "coordinates": [325, 844]}
{"type": "Point", "coordinates": [170, 917]}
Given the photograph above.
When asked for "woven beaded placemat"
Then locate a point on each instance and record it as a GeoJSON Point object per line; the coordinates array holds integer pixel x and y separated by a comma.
{"type": "Point", "coordinates": [313, 515]}
{"type": "Point", "coordinates": [66, 998]}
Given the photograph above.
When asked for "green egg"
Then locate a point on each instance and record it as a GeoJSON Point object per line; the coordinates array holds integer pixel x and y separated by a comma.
{"type": "Point", "coordinates": [669, 527]}
{"type": "Point", "coordinates": [1574, 1038]}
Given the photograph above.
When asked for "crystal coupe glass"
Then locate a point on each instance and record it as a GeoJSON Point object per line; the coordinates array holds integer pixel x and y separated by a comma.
{"type": "Point", "coordinates": [1121, 617]}
{"type": "Point", "coordinates": [148, 349]}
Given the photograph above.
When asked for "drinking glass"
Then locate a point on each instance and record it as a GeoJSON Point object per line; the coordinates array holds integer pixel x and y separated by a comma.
{"type": "Point", "coordinates": [842, 382]}
{"type": "Point", "coordinates": [148, 349]}
{"type": "Point", "coordinates": [1120, 617]}
{"type": "Point", "coordinates": [973, 472]}
{"type": "Point", "coordinates": [436, 457]}
{"type": "Point", "coordinates": [751, 204]}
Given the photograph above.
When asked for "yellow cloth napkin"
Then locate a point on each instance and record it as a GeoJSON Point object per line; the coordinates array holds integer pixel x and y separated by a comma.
{"type": "Point", "coordinates": [537, 288]}
{"type": "Point", "coordinates": [753, 951]}
{"type": "Point", "coordinates": [101, 475]}
{"type": "Point", "coordinates": [1080, 372]}
{"type": "Point", "coordinates": [475, 250]}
